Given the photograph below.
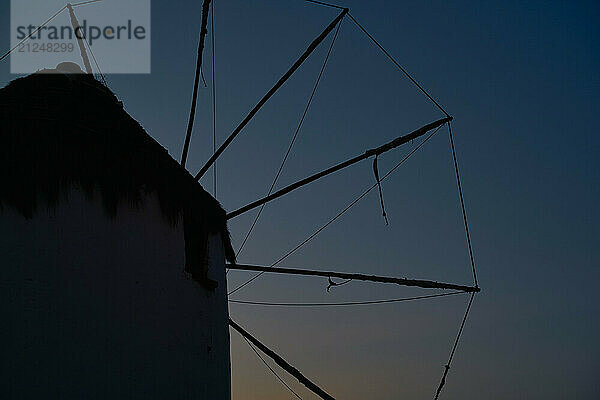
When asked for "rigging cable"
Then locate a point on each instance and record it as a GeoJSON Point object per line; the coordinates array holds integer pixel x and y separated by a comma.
{"type": "Point", "coordinates": [404, 71]}
{"type": "Point", "coordinates": [313, 235]}
{"type": "Point", "coordinates": [308, 104]}
{"type": "Point", "coordinates": [324, 4]}
{"type": "Point", "coordinates": [94, 58]}
{"type": "Point", "coordinates": [46, 23]}
{"type": "Point", "coordinates": [83, 3]}
{"type": "Point", "coordinates": [447, 366]}
{"type": "Point", "coordinates": [32, 33]}
{"type": "Point", "coordinates": [271, 369]}
{"type": "Point", "coordinates": [351, 303]}
{"type": "Point", "coordinates": [462, 204]}
{"type": "Point", "coordinates": [462, 325]}
{"type": "Point", "coordinates": [309, 50]}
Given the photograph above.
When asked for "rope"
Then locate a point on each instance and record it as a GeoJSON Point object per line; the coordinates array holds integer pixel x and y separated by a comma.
{"type": "Point", "coordinates": [94, 58]}
{"type": "Point", "coordinates": [214, 94]}
{"type": "Point", "coordinates": [203, 78]}
{"type": "Point", "coordinates": [331, 283]}
{"type": "Point", "coordinates": [309, 50]}
{"type": "Point", "coordinates": [447, 366]}
{"type": "Point", "coordinates": [462, 204]}
{"type": "Point", "coordinates": [413, 80]}
{"type": "Point", "coordinates": [397, 142]}
{"type": "Point", "coordinates": [324, 4]}
{"type": "Point", "coordinates": [32, 33]}
{"type": "Point", "coordinates": [271, 369]}
{"type": "Point", "coordinates": [352, 303]}
{"type": "Point", "coordinates": [44, 24]}
{"type": "Point", "coordinates": [376, 171]}
{"type": "Point", "coordinates": [313, 235]}
{"type": "Point", "coordinates": [83, 3]}
{"type": "Point", "coordinates": [308, 104]}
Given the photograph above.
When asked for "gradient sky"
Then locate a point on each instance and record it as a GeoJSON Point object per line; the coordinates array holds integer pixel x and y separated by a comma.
{"type": "Point", "coordinates": [522, 81]}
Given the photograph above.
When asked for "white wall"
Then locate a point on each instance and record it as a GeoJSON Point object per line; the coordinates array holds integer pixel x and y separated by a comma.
{"type": "Point", "coordinates": [97, 309]}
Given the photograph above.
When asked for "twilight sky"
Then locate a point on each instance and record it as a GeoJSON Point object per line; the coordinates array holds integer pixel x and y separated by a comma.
{"type": "Point", "coordinates": [522, 81]}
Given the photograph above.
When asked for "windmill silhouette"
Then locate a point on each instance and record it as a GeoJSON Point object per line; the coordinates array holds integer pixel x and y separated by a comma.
{"type": "Point", "coordinates": [198, 238]}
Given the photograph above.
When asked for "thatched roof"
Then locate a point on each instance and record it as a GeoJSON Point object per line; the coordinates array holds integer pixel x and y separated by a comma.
{"type": "Point", "coordinates": [60, 131]}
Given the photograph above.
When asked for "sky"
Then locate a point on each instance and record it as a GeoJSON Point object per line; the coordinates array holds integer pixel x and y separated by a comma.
{"type": "Point", "coordinates": [522, 83]}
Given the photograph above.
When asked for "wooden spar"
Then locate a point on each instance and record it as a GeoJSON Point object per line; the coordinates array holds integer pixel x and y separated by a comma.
{"type": "Point", "coordinates": [271, 92]}
{"type": "Point", "coordinates": [357, 277]}
{"type": "Point", "coordinates": [80, 36]}
{"type": "Point", "coordinates": [281, 362]}
{"type": "Point", "coordinates": [203, 32]}
{"type": "Point", "coordinates": [382, 149]}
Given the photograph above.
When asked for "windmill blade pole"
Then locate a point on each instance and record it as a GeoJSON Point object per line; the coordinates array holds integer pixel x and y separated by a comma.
{"type": "Point", "coordinates": [281, 362]}
{"type": "Point", "coordinates": [79, 36]}
{"type": "Point", "coordinates": [271, 92]}
{"type": "Point", "coordinates": [357, 277]}
{"type": "Point", "coordinates": [203, 32]}
{"type": "Point", "coordinates": [369, 153]}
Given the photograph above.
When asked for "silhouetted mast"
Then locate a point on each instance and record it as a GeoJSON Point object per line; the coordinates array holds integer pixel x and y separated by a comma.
{"type": "Point", "coordinates": [203, 32]}
{"type": "Point", "coordinates": [357, 277]}
{"type": "Point", "coordinates": [79, 35]}
{"type": "Point", "coordinates": [282, 363]}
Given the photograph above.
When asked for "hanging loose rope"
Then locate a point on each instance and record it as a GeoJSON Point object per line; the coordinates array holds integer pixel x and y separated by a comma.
{"type": "Point", "coordinates": [376, 171]}
{"type": "Point", "coordinates": [203, 78]}
{"type": "Point", "coordinates": [351, 303]}
{"type": "Point", "coordinates": [342, 212]}
{"type": "Point", "coordinates": [308, 104]}
{"type": "Point", "coordinates": [271, 369]}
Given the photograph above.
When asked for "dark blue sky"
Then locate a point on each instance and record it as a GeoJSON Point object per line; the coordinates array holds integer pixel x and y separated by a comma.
{"type": "Point", "coordinates": [521, 80]}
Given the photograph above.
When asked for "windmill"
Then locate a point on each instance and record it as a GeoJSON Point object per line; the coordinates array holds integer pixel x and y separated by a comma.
{"type": "Point", "coordinates": [204, 227]}
{"type": "Point", "coordinates": [429, 129]}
